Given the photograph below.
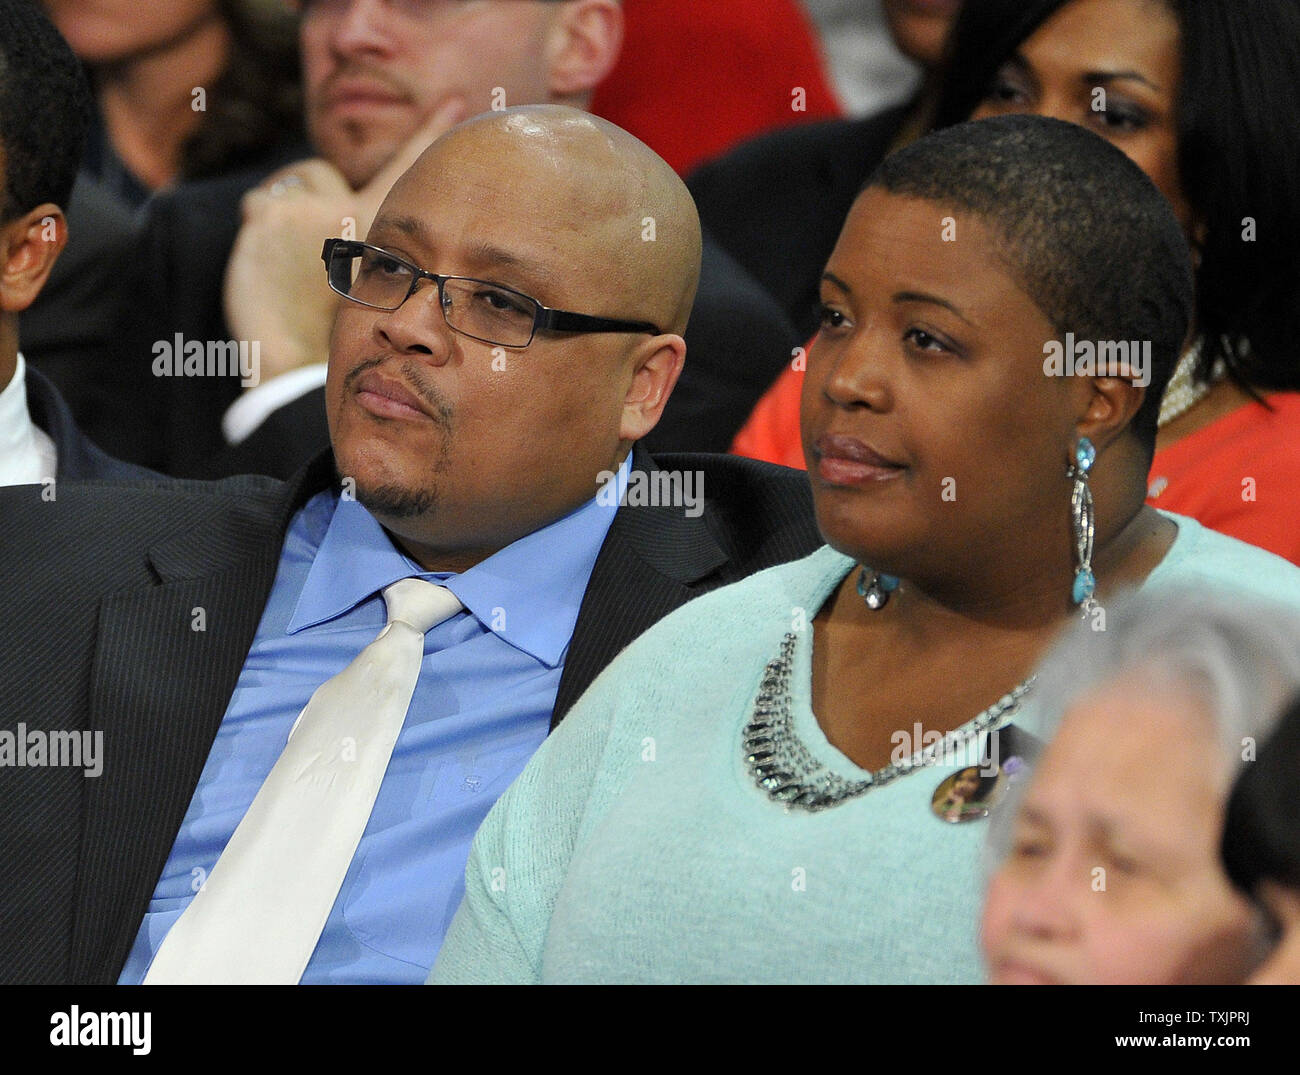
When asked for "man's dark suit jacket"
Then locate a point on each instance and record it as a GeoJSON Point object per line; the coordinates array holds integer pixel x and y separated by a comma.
{"type": "Point", "coordinates": [99, 603]}
{"type": "Point", "coordinates": [737, 342]}
{"type": "Point", "coordinates": [776, 204]}
{"type": "Point", "coordinates": [78, 458]}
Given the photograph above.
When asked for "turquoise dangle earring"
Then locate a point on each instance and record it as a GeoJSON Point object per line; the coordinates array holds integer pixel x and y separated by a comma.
{"type": "Point", "coordinates": [1081, 523]}
{"type": "Point", "coordinates": [874, 587]}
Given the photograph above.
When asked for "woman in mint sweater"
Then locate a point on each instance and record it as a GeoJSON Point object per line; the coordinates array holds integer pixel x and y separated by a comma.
{"type": "Point", "coordinates": [747, 793]}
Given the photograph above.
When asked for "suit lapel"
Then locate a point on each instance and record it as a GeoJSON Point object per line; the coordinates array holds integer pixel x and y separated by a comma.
{"type": "Point", "coordinates": [647, 567]}
{"type": "Point", "coordinates": [166, 663]}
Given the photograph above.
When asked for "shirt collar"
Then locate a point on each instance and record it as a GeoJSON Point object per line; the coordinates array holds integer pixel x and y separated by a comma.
{"type": "Point", "coordinates": [528, 593]}
{"type": "Point", "coordinates": [25, 451]}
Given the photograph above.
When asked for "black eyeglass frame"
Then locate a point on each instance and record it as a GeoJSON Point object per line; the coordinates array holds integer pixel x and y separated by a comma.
{"type": "Point", "coordinates": [545, 318]}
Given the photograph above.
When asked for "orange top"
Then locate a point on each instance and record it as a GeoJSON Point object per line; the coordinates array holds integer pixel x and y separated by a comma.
{"type": "Point", "coordinates": [1239, 475]}
{"type": "Point", "coordinates": [771, 432]}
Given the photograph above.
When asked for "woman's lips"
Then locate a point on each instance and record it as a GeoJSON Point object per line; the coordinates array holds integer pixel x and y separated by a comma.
{"type": "Point", "coordinates": [847, 461]}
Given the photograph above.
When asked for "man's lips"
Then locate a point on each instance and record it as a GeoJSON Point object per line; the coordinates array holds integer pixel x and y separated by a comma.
{"type": "Point", "coordinates": [847, 461]}
{"type": "Point", "coordinates": [387, 398]}
{"type": "Point", "coordinates": [361, 93]}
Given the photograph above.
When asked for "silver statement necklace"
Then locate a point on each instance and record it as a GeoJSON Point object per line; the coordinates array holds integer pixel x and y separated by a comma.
{"type": "Point", "coordinates": [786, 771]}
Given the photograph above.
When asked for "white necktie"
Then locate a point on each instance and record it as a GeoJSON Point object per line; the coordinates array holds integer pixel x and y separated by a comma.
{"type": "Point", "coordinates": [257, 918]}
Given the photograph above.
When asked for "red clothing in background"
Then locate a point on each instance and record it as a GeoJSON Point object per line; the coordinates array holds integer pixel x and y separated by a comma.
{"type": "Point", "coordinates": [697, 76]}
{"type": "Point", "coordinates": [771, 432]}
{"type": "Point", "coordinates": [1239, 475]}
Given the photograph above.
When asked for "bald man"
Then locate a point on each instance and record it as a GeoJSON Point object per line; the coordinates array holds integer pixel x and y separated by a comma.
{"type": "Point", "coordinates": [507, 332]}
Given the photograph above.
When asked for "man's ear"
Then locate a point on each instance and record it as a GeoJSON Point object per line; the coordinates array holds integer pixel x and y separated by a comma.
{"type": "Point", "coordinates": [655, 371]}
{"type": "Point", "coordinates": [29, 246]}
{"type": "Point", "coordinates": [582, 47]}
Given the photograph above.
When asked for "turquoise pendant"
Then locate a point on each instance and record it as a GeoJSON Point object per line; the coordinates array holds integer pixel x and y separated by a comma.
{"type": "Point", "coordinates": [1084, 585]}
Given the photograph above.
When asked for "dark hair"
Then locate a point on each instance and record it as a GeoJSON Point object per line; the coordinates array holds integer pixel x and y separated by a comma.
{"type": "Point", "coordinates": [44, 109]}
{"type": "Point", "coordinates": [256, 104]}
{"type": "Point", "coordinates": [1238, 158]}
{"type": "Point", "coordinates": [1084, 232]}
{"type": "Point", "coordinates": [987, 782]}
{"type": "Point", "coordinates": [1261, 826]}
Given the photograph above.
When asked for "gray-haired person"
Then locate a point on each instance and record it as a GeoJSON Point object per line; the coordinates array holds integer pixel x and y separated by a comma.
{"type": "Point", "coordinates": [1105, 860]}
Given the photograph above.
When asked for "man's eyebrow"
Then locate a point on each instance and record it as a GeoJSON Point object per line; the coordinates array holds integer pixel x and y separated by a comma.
{"type": "Point", "coordinates": [481, 253]}
{"type": "Point", "coordinates": [411, 227]}
{"type": "Point", "coordinates": [495, 257]}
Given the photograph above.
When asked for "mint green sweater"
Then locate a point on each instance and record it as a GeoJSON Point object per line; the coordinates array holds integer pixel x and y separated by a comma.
{"type": "Point", "coordinates": [635, 847]}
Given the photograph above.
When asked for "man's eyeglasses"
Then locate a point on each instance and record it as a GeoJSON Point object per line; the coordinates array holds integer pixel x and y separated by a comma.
{"type": "Point", "coordinates": [479, 309]}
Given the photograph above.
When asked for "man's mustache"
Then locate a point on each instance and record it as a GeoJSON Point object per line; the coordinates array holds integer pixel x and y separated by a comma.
{"type": "Point", "coordinates": [363, 73]}
{"type": "Point", "coordinates": [441, 410]}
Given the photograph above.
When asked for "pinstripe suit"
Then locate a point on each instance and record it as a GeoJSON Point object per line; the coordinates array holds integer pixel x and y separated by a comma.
{"type": "Point", "coordinates": [129, 609]}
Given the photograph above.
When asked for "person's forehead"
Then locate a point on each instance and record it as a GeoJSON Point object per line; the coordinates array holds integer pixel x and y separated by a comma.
{"type": "Point", "coordinates": [1104, 36]}
{"type": "Point", "coordinates": [513, 250]}
{"type": "Point", "coordinates": [908, 244]}
{"type": "Point", "coordinates": [1136, 753]}
{"type": "Point", "coordinates": [499, 236]}
{"type": "Point", "coordinates": [922, 230]}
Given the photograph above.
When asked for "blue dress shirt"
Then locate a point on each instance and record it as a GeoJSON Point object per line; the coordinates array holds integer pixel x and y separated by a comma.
{"type": "Point", "coordinates": [481, 707]}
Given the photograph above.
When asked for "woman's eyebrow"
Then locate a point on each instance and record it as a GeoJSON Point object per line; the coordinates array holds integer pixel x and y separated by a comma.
{"type": "Point", "coordinates": [1117, 76]}
{"type": "Point", "coordinates": [1019, 61]}
{"type": "Point", "coordinates": [934, 300]}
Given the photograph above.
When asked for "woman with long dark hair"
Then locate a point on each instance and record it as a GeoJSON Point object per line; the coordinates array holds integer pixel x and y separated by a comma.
{"type": "Point", "coordinates": [185, 89]}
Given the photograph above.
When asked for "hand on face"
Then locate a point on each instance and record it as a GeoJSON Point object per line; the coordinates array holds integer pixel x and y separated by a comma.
{"type": "Point", "coordinates": [275, 289]}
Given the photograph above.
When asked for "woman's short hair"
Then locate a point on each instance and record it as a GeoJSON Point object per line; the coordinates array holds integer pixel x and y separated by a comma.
{"type": "Point", "coordinates": [1083, 231]}
{"type": "Point", "coordinates": [1261, 829]}
{"type": "Point", "coordinates": [1238, 161]}
{"type": "Point", "coordinates": [1241, 658]}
